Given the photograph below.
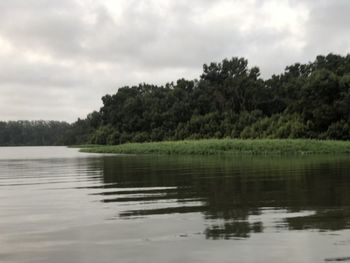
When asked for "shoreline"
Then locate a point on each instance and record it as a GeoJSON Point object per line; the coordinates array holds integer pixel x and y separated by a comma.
{"type": "Point", "coordinates": [226, 146]}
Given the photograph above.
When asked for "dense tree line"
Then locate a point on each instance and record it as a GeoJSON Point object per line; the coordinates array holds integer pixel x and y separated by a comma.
{"type": "Point", "coordinates": [229, 99]}
{"type": "Point", "coordinates": [31, 133]}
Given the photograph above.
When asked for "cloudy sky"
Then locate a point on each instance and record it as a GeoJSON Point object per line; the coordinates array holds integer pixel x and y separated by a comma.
{"type": "Point", "coordinates": [58, 58]}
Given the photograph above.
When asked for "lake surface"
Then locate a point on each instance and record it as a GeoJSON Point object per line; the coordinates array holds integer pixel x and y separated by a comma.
{"type": "Point", "coordinates": [58, 205]}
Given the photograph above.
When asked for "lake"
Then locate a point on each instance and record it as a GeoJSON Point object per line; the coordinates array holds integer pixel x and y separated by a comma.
{"type": "Point", "coordinates": [59, 205]}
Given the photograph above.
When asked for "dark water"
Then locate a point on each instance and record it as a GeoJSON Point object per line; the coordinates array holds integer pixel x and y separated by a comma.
{"type": "Point", "coordinates": [58, 205]}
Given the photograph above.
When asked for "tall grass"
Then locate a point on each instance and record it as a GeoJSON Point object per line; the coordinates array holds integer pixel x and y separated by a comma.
{"type": "Point", "coordinates": [228, 146]}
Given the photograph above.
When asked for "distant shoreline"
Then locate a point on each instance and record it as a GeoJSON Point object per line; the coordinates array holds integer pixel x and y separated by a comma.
{"type": "Point", "coordinates": [226, 146]}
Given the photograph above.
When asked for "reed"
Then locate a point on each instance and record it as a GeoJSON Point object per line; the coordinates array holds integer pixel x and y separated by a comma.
{"type": "Point", "coordinates": [227, 146]}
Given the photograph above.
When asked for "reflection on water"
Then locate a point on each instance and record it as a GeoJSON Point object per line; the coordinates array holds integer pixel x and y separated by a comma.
{"type": "Point", "coordinates": [306, 193]}
{"type": "Point", "coordinates": [58, 205]}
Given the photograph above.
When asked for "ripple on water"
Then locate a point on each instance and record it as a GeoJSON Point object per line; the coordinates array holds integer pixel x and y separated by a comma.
{"type": "Point", "coordinates": [58, 205]}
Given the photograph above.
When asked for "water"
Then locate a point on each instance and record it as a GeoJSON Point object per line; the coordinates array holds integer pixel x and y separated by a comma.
{"type": "Point", "coordinates": [58, 205]}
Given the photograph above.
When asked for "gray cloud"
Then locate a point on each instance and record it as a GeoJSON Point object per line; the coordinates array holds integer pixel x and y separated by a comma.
{"type": "Point", "coordinates": [328, 28]}
{"type": "Point", "coordinates": [57, 58]}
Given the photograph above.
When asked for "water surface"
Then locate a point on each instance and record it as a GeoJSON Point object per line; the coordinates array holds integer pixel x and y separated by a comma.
{"type": "Point", "coordinates": [59, 205]}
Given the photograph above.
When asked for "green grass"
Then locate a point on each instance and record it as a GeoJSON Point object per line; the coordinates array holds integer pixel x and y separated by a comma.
{"type": "Point", "coordinates": [227, 146]}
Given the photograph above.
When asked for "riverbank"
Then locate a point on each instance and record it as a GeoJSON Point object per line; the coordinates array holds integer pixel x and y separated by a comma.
{"type": "Point", "coordinates": [227, 146]}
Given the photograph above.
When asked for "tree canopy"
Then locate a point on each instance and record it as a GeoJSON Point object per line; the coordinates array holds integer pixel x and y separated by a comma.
{"type": "Point", "coordinates": [229, 100]}
{"type": "Point", "coordinates": [32, 133]}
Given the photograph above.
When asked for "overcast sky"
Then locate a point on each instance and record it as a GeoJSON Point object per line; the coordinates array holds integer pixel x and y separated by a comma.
{"type": "Point", "coordinates": [58, 58]}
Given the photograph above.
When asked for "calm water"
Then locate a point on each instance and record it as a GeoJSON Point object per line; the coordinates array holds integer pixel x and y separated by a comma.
{"type": "Point", "coordinates": [58, 205]}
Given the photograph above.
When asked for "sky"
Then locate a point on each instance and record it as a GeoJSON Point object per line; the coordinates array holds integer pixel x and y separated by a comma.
{"type": "Point", "coordinates": [58, 58]}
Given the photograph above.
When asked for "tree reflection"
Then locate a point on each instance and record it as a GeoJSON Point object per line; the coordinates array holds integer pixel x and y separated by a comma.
{"type": "Point", "coordinates": [229, 190]}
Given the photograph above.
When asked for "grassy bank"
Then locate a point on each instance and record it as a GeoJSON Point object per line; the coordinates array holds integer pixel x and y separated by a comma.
{"type": "Point", "coordinates": [227, 146]}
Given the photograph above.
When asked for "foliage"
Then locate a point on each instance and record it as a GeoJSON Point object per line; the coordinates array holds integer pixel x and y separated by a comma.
{"type": "Point", "coordinates": [230, 100]}
{"type": "Point", "coordinates": [228, 146]}
{"type": "Point", "coordinates": [31, 133]}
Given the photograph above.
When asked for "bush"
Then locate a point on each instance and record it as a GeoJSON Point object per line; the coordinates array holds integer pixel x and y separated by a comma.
{"type": "Point", "coordinates": [339, 130]}
{"type": "Point", "coordinates": [100, 135]}
{"type": "Point", "coordinates": [276, 126]}
{"type": "Point", "coordinates": [114, 138]}
{"type": "Point", "coordinates": [141, 137]}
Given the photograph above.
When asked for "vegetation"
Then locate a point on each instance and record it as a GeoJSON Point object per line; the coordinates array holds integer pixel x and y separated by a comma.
{"type": "Point", "coordinates": [31, 133]}
{"type": "Point", "coordinates": [228, 146]}
{"type": "Point", "coordinates": [230, 100]}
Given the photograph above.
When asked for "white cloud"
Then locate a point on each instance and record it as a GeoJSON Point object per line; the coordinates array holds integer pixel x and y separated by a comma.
{"type": "Point", "coordinates": [57, 58]}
